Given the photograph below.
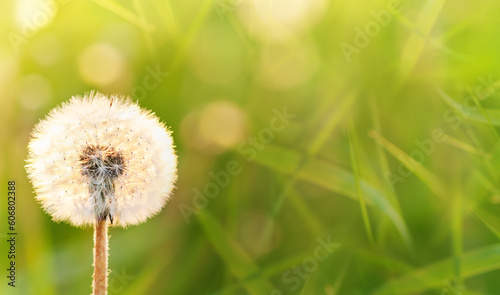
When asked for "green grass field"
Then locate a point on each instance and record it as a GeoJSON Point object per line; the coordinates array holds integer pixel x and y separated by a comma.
{"type": "Point", "coordinates": [325, 147]}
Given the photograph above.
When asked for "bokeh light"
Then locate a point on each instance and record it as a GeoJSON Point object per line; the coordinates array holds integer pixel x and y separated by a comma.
{"type": "Point", "coordinates": [280, 20]}
{"type": "Point", "coordinates": [101, 64]}
{"type": "Point", "coordinates": [219, 126]}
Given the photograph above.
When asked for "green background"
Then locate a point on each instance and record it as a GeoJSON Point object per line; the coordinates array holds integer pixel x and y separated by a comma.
{"type": "Point", "coordinates": [391, 154]}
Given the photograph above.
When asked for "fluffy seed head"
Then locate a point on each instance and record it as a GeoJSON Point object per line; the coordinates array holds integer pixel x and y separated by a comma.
{"type": "Point", "coordinates": [95, 158]}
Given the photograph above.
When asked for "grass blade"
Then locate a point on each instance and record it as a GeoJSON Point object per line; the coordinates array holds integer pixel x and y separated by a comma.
{"type": "Point", "coordinates": [305, 212]}
{"type": "Point", "coordinates": [417, 40]}
{"type": "Point", "coordinates": [483, 112]}
{"type": "Point", "coordinates": [329, 177]}
{"type": "Point", "coordinates": [237, 260]}
{"type": "Point", "coordinates": [332, 122]}
{"type": "Point", "coordinates": [354, 164]}
{"type": "Point", "coordinates": [475, 262]}
{"type": "Point", "coordinates": [117, 9]}
{"type": "Point", "coordinates": [455, 142]}
{"type": "Point", "coordinates": [489, 116]}
{"type": "Point", "coordinates": [457, 236]}
{"type": "Point", "coordinates": [482, 216]}
{"type": "Point", "coordinates": [429, 178]}
{"type": "Point", "coordinates": [194, 29]}
{"type": "Point", "coordinates": [147, 34]}
{"type": "Point", "coordinates": [384, 166]}
{"type": "Point", "coordinates": [272, 270]}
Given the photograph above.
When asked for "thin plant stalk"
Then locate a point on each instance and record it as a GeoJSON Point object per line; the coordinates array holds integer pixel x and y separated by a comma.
{"type": "Point", "coordinates": [111, 141]}
{"type": "Point", "coordinates": [100, 258]}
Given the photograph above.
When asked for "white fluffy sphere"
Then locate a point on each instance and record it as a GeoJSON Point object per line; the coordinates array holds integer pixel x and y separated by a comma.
{"type": "Point", "coordinates": [97, 158]}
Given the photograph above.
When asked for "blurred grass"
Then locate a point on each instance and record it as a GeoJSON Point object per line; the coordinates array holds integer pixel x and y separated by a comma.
{"type": "Point", "coordinates": [351, 135]}
{"type": "Point", "coordinates": [227, 67]}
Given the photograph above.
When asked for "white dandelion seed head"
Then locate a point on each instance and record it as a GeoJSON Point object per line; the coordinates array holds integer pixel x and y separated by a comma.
{"type": "Point", "coordinates": [96, 157]}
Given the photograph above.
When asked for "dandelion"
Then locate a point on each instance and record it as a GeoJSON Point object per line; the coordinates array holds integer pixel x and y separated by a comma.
{"type": "Point", "coordinates": [101, 161]}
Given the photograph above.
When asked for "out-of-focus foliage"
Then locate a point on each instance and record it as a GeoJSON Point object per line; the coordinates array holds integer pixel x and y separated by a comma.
{"type": "Point", "coordinates": [325, 147]}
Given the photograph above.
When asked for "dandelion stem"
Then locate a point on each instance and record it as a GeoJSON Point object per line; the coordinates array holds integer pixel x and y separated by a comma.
{"type": "Point", "coordinates": [100, 257]}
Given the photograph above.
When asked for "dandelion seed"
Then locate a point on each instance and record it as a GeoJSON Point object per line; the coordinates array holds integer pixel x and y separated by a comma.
{"type": "Point", "coordinates": [92, 157]}
{"type": "Point", "coordinates": [95, 160]}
